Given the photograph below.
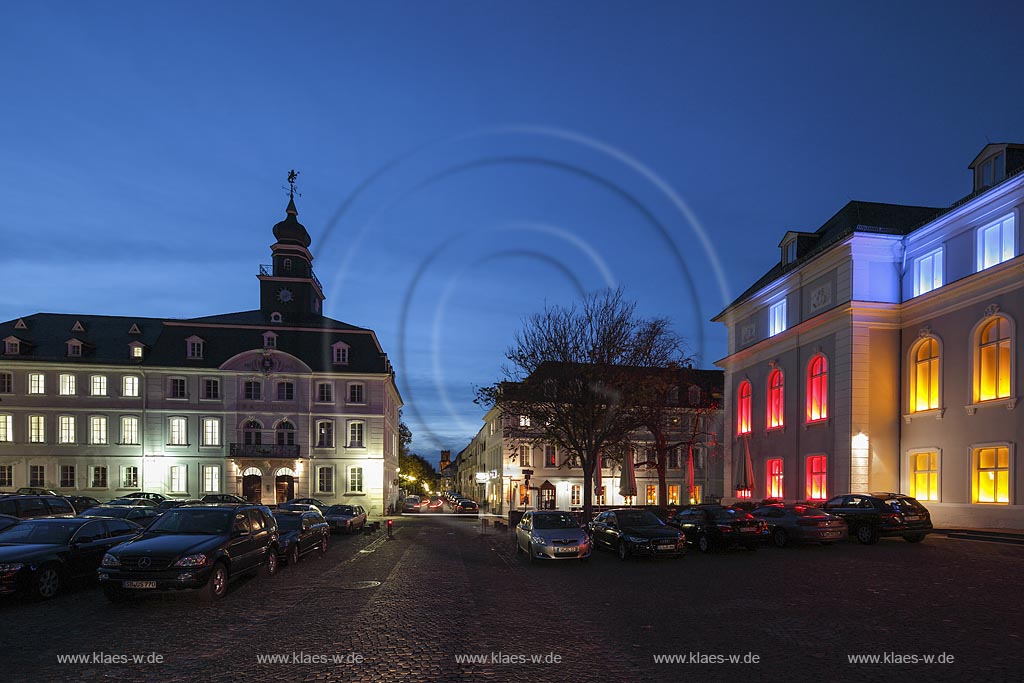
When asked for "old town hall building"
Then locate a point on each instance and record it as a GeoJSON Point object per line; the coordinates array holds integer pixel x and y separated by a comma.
{"type": "Point", "coordinates": [270, 404]}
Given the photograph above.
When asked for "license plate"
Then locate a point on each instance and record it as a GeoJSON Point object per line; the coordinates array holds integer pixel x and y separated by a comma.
{"type": "Point", "coordinates": [831, 534]}
{"type": "Point", "coordinates": [748, 529]}
{"type": "Point", "coordinates": [912, 518]}
{"type": "Point", "coordinates": [573, 549]}
{"type": "Point", "coordinates": [140, 584]}
{"type": "Point", "coordinates": [665, 547]}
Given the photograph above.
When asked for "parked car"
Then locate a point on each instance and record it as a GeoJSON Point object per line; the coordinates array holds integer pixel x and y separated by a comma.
{"type": "Point", "coordinates": [156, 497]}
{"type": "Point", "coordinates": [552, 535]}
{"type": "Point", "coordinates": [37, 556]}
{"type": "Point", "coordinates": [36, 491]}
{"type": "Point", "coordinates": [411, 504]}
{"type": "Point", "coordinates": [871, 516]}
{"type": "Point", "coordinates": [81, 503]}
{"type": "Point", "coordinates": [133, 501]}
{"type": "Point", "coordinates": [298, 507]}
{"type": "Point", "coordinates": [636, 532]}
{"type": "Point", "coordinates": [8, 521]}
{"type": "Point", "coordinates": [222, 498]}
{"type": "Point", "coordinates": [716, 526]}
{"type": "Point", "coordinates": [143, 515]}
{"type": "Point", "coordinates": [466, 505]}
{"type": "Point", "coordinates": [300, 533]}
{"type": "Point", "coordinates": [346, 518]}
{"type": "Point", "coordinates": [169, 504]}
{"type": "Point", "coordinates": [436, 505]}
{"type": "Point", "coordinates": [27, 506]}
{"type": "Point", "coordinates": [194, 547]}
{"type": "Point", "coordinates": [309, 501]}
{"type": "Point", "coordinates": [801, 523]}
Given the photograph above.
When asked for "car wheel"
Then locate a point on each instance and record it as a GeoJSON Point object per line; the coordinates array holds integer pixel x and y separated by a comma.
{"type": "Point", "coordinates": [529, 552]}
{"type": "Point", "coordinates": [780, 537]}
{"type": "Point", "coordinates": [323, 545]}
{"type": "Point", "coordinates": [270, 565]}
{"type": "Point", "coordinates": [519, 548]}
{"type": "Point", "coordinates": [704, 543]}
{"type": "Point", "coordinates": [115, 594]}
{"type": "Point", "coordinates": [293, 554]}
{"type": "Point", "coordinates": [623, 550]}
{"type": "Point", "coordinates": [914, 538]}
{"type": "Point", "coordinates": [866, 534]}
{"type": "Point", "coordinates": [47, 583]}
{"type": "Point", "coordinates": [217, 586]}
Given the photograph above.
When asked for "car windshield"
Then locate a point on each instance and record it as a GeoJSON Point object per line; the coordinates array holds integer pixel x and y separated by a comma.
{"type": "Point", "coordinates": [40, 532]}
{"type": "Point", "coordinates": [288, 522]}
{"type": "Point", "coordinates": [638, 518]}
{"type": "Point", "coordinates": [728, 514]}
{"type": "Point", "coordinates": [802, 511]}
{"type": "Point", "coordinates": [194, 521]}
{"type": "Point", "coordinates": [563, 521]}
{"type": "Point", "coordinates": [904, 505]}
{"type": "Point", "coordinates": [107, 512]}
{"type": "Point", "coordinates": [341, 510]}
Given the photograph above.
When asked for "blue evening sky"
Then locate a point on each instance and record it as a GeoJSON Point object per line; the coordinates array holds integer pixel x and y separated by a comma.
{"type": "Point", "coordinates": [465, 163]}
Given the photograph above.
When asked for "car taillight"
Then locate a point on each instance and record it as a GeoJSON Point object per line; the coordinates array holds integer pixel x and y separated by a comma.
{"type": "Point", "coordinates": [890, 517]}
{"type": "Point", "coordinates": [724, 528]}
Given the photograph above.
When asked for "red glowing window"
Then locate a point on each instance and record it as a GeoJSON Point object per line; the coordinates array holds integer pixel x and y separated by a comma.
{"type": "Point", "coordinates": [817, 469]}
{"type": "Point", "coordinates": [743, 409]}
{"type": "Point", "coordinates": [774, 486]}
{"type": "Point", "coordinates": [817, 389]}
{"type": "Point", "coordinates": [775, 399]}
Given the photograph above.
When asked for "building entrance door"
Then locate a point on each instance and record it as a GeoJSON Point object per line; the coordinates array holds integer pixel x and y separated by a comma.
{"type": "Point", "coordinates": [252, 488]}
{"type": "Point", "coordinates": [285, 488]}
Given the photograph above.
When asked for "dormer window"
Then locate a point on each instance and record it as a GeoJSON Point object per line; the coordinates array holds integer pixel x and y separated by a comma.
{"type": "Point", "coordinates": [194, 347]}
{"type": "Point", "coordinates": [789, 251]}
{"type": "Point", "coordinates": [339, 351]}
{"type": "Point", "coordinates": [990, 171]}
{"type": "Point", "coordinates": [12, 346]}
{"type": "Point", "coordinates": [74, 348]}
{"type": "Point", "coordinates": [269, 340]}
{"type": "Point", "coordinates": [135, 350]}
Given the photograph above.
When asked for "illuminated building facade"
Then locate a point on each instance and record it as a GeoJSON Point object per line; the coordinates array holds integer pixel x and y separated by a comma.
{"type": "Point", "coordinates": [269, 404]}
{"type": "Point", "coordinates": [882, 354]}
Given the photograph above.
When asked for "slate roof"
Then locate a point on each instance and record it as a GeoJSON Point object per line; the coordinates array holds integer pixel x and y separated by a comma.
{"type": "Point", "coordinates": [106, 340]}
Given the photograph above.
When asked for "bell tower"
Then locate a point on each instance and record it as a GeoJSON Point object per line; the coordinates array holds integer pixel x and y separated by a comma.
{"type": "Point", "coordinates": [288, 285]}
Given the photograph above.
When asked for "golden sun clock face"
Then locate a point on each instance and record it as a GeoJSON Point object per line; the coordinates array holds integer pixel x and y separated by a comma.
{"type": "Point", "coordinates": [284, 295]}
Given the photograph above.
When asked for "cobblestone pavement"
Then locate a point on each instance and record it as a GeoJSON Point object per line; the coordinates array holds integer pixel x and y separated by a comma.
{"type": "Point", "coordinates": [447, 589]}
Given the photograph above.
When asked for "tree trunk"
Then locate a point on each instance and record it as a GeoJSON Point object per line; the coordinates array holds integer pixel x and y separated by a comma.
{"type": "Point", "coordinates": [588, 489]}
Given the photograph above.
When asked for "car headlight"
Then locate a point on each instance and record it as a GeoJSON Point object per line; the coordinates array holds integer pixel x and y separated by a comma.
{"type": "Point", "coordinates": [197, 560]}
{"type": "Point", "coordinates": [11, 567]}
{"type": "Point", "coordinates": [110, 561]}
{"type": "Point", "coordinates": [636, 539]}
{"type": "Point", "coordinates": [539, 540]}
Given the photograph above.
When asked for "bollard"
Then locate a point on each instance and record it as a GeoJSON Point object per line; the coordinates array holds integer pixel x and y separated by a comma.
{"type": "Point", "coordinates": [391, 523]}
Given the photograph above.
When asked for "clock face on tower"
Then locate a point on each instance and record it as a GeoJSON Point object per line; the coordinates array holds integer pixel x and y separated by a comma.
{"type": "Point", "coordinates": [284, 295]}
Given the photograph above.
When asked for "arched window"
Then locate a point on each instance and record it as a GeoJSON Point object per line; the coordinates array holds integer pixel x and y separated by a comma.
{"type": "Point", "coordinates": [776, 399]}
{"type": "Point", "coordinates": [924, 380]}
{"type": "Point", "coordinates": [817, 389]}
{"type": "Point", "coordinates": [287, 264]}
{"type": "Point", "coordinates": [285, 433]}
{"type": "Point", "coordinates": [252, 434]}
{"type": "Point", "coordinates": [743, 408]}
{"type": "Point", "coordinates": [992, 361]}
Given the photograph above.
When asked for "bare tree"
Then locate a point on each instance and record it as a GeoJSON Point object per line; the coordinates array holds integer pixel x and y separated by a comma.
{"type": "Point", "coordinates": [571, 381]}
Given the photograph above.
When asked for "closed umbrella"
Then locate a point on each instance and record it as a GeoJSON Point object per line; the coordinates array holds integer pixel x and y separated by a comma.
{"type": "Point", "coordinates": [627, 478]}
{"type": "Point", "coordinates": [597, 478]}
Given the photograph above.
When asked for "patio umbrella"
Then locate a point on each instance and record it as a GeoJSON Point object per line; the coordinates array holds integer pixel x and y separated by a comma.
{"type": "Point", "coordinates": [627, 478]}
{"type": "Point", "coordinates": [689, 475]}
{"type": "Point", "coordinates": [597, 478]}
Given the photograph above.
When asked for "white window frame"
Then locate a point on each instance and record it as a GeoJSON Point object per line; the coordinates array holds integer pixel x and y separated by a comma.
{"type": "Point", "coordinates": [204, 383]}
{"type": "Point", "coordinates": [130, 386]}
{"type": "Point", "coordinates": [361, 386]}
{"type": "Point", "coordinates": [125, 482]}
{"type": "Point", "coordinates": [361, 477]}
{"type": "Point", "coordinates": [36, 383]}
{"type": "Point", "coordinates": [329, 470]}
{"type": "Point", "coordinates": [99, 432]}
{"type": "Point", "coordinates": [65, 469]}
{"type": "Point", "coordinates": [66, 429]}
{"type": "Point", "coordinates": [66, 384]}
{"type": "Point", "coordinates": [171, 383]}
{"type": "Point", "coordinates": [330, 391]}
{"type": "Point", "coordinates": [177, 478]}
{"type": "Point", "coordinates": [339, 353]}
{"type": "Point", "coordinates": [316, 436]}
{"type": "Point", "coordinates": [350, 441]}
{"type": "Point", "coordinates": [777, 320]}
{"type": "Point", "coordinates": [8, 382]}
{"type": "Point", "coordinates": [75, 349]}
{"type": "Point", "coordinates": [7, 476]}
{"type": "Point", "coordinates": [177, 431]}
{"type": "Point", "coordinates": [211, 431]}
{"type": "Point", "coordinates": [1007, 230]}
{"type": "Point", "coordinates": [211, 478]}
{"type": "Point", "coordinates": [6, 428]}
{"type": "Point", "coordinates": [12, 347]}
{"type": "Point", "coordinates": [252, 383]}
{"type": "Point", "coordinates": [195, 348]}
{"type": "Point", "coordinates": [94, 470]}
{"type": "Point", "coordinates": [126, 431]}
{"type": "Point", "coordinates": [98, 385]}
{"type": "Point", "coordinates": [37, 429]}
{"type": "Point", "coordinates": [934, 260]}
{"type": "Point", "coordinates": [32, 479]}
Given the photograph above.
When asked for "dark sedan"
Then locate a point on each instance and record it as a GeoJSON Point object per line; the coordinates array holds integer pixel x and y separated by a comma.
{"type": "Point", "coordinates": [716, 526]}
{"type": "Point", "coordinates": [871, 516]}
{"type": "Point", "coordinates": [222, 498]}
{"type": "Point", "coordinates": [346, 518]}
{"type": "Point", "coordinates": [81, 503]}
{"type": "Point", "coordinates": [143, 515]}
{"type": "Point", "coordinates": [169, 504]}
{"type": "Point", "coordinates": [466, 505]}
{"type": "Point", "coordinates": [802, 524]}
{"type": "Point", "coordinates": [145, 495]}
{"type": "Point", "coordinates": [300, 533]}
{"type": "Point", "coordinates": [133, 501]}
{"type": "Point", "coordinates": [636, 532]}
{"type": "Point", "coordinates": [37, 556]}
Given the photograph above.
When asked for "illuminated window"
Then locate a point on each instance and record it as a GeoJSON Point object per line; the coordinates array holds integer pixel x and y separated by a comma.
{"type": "Point", "coordinates": [66, 429]}
{"type": "Point", "coordinates": [98, 429]}
{"type": "Point", "coordinates": [136, 351]}
{"type": "Point", "coordinates": [924, 475]}
{"type": "Point", "coordinates": [928, 272]}
{"type": "Point", "coordinates": [524, 420]}
{"type": "Point", "coordinates": [924, 382]}
{"type": "Point", "coordinates": [355, 479]}
{"type": "Point", "coordinates": [129, 430]}
{"type": "Point", "coordinates": [698, 494]}
{"type": "Point", "coordinates": [178, 479]}
{"type": "Point", "coordinates": [777, 318]}
{"type": "Point", "coordinates": [743, 408]}
{"type": "Point", "coordinates": [992, 366]}
{"type": "Point", "coordinates": [36, 429]}
{"type": "Point", "coordinates": [574, 494]}
{"type": "Point", "coordinates": [652, 494]}
{"type": "Point", "coordinates": [36, 383]}
{"type": "Point", "coordinates": [211, 431]}
{"type": "Point", "coordinates": [774, 487]}
{"type": "Point", "coordinates": [550, 459]}
{"type": "Point", "coordinates": [524, 456]}
{"type": "Point", "coordinates": [66, 385]}
{"type": "Point", "coordinates": [816, 474]}
{"type": "Point", "coordinates": [211, 478]}
{"type": "Point", "coordinates": [98, 385]}
{"type": "Point", "coordinates": [355, 435]}
{"type": "Point", "coordinates": [601, 495]}
{"type": "Point", "coordinates": [817, 389]}
{"type": "Point", "coordinates": [776, 399]}
{"type": "Point", "coordinates": [995, 243]}
{"type": "Point", "coordinates": [130, 477]}
{"type": "Point", "coordinates": [130, 386]}
{"type": "Point", "coordinates": [6, 429]}
{"type": "Point", "coordinates": [178, 431]}
{"type": "Point", "coordinates": [991, 475]}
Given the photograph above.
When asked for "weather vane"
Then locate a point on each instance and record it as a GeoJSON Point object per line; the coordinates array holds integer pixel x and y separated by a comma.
{"type": "Point", "coordinates": [293, 175]}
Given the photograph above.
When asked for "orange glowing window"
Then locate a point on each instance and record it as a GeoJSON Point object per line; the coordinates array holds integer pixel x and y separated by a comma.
{"type": "Point", "coordinates": [924, 384]}
{"type": "Point", "coordinates": [652, 494]}
{"type": "Point", "coordinates": [817, 389]}
{"type": "Point", "coordinates": [992, 368]}
{"type": "Point", "coordinates": [817, 469]}
{"type": "Point", "coordinates": [774, 486]}
{"type": "Point", "coordinates": [991, 476]}
{"type": "Point", "coordinates": [743, 409]}
{"type": "Point", "coordinates": [924, 475]}
{"type": "Point", "coordinates": [776, 399]}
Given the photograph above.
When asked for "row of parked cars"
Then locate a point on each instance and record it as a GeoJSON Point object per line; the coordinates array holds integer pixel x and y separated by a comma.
{"type": "Point", "coordinates": [178, 545]}
{"type": "Point", "coordinates": [554, 535]}
{"type": "Point", "coordinates": [457, 502]}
